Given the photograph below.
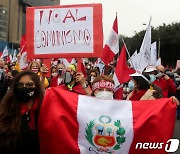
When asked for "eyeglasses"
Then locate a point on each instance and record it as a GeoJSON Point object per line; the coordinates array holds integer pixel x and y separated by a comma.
{"type": "Point", "coordinates": [27, 85]}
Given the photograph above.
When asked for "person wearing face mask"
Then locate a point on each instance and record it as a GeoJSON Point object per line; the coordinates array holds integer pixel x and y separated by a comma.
{"type": "Point", "coordinates": [93, 73]}
{"type": "Point", "coordinates": [10, 76]}
{"type": "Point", "coordinates": [53, 73]}
{"type": "Point", "coordinates": [164, 82]}
{"type": "Point", "coordinates": [36, 68]}
{"type": "Point", "coordinates": [103, 87]}
{"type": "Point", "coordinates": [19, 111]}
{"type": "Point", "coordinates": [140, 87]}
{"type": "Point", "coordinates": [151, 70]}
{"type": "Point", "coordinates": [75, 81]}
{"type": "Point", "coordinates": [57, 79]}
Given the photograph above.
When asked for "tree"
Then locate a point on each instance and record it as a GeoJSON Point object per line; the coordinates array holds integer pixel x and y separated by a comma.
{"type": "Point", "coordinates": [169, 36]}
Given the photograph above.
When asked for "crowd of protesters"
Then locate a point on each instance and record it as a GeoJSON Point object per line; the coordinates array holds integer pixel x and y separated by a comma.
{"type": "Point", "coordinates": [22, 91]}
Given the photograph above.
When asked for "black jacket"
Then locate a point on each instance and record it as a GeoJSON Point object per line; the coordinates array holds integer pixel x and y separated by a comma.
{"type": "Point", "coordinates": [28, 141]}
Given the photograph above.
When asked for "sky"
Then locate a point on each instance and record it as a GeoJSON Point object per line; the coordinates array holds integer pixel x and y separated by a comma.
{"type": "Point", "coordinates": [134, 14]}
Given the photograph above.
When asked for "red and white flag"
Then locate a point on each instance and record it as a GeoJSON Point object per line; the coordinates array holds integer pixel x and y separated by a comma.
{"type": "Point", "coordinates": [121, 74]}
{"type": "Point", "coordinates": [67, 61]}
{"type": "Point", "coordinates": [111, 48]}
{"type": "Point", "coordinates": [5, 52]}
{"type": "Point", "coordinates": [23, 64]}
{"type": "Point", "coordinates": [72, 124]}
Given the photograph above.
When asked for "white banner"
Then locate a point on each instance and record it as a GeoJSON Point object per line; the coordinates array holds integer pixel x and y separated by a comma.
{"type": "Point", "coordinates": [63, 29]}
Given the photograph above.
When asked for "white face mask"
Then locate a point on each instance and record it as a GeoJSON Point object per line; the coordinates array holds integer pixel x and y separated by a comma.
{"type": "Point", "coordinates": [54, 74]}
{"type": "Point", "coordinates": [92, 78]}
{"type": "Point", "coordinates": [104, 95]}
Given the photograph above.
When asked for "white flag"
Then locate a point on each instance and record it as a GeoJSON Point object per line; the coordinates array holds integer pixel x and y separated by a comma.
{"type": "Point", "coordinates": [153, 54]}
{"type": "Point", "coordinates": [145, 49]}
{"type": "Point", "coordinates": [67, 61]}
{"type": "Point", "coordinates": [158, 62]}
{"type": "Point", "coordinates": [23, 61]}
{"type": "Point", "coordinates": [100, 64]}
{"type": "Point", "coordinates": [5, 52]}
{"type": "Point", "coordinates": [135, 60]}
{"type": "Point", "coordinates": [130, 60]}
{"type": "Point", "coordinates": [14, 59]}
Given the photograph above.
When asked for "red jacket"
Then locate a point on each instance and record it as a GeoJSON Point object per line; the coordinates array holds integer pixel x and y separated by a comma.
{"type": "Point", "coordinates": [54, 81]}
{"type": "Point", "coordinates": [168, 86]}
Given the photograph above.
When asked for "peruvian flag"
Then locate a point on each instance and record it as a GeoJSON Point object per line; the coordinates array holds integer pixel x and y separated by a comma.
{"type": "Point", "coordinates": [23, 64]}
{"type": "Point", "coordinates": [72, 124]}
{"type": "Point", "coordinates": [67, 61]}
{"type": "Point", "coordinates": [121, 73]}
{"type": "Point", "coordinates": [111, 48]}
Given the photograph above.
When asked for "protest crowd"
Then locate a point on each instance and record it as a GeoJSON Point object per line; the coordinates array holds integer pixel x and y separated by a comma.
{"type": "Point", "coordinates": [24, 83]}
{"type": "Point", "coordinates": [28, 86]}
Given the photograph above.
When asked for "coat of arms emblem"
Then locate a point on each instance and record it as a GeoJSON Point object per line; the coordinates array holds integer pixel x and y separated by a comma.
{"type": "Point", "coordinates": [105, 136]}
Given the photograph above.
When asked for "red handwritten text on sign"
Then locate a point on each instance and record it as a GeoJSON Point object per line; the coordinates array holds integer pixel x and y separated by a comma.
{"type": "Point", "coordinates": [65, 29]}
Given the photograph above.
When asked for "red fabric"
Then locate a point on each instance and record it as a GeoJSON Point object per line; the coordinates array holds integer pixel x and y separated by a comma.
{"type": "Point", "coordinates": [108, 54]}
{"type": "Point", "coordinates": [76, 88]}
{"type": "Point", "coordinates": [69, 59]}
{"type": "Point", "coordinates": [8, 59]}
{"type": "Point", "coordinates": [83, 70]}
{"type": "Point", "coordinates": [58, 127]}
{"type": "Point", "coordinates": [153, 122]}
{"type": "Point", "coordinates": [136, 95]}
{"type": "Point", "coordinates": [47, 63]}
{"type": "Point", "coordinates": [24, 109]}
{"type": "Point", "coordinates": [23, 44]}
{"type": "Point", "coordinates": [54, 81]}
{"type": "Point", "coordinates": [167, 86]}
{"type": "Point", "coordinates": [118, 94]}
{"type": "Point", "coordinates": [122, 70]}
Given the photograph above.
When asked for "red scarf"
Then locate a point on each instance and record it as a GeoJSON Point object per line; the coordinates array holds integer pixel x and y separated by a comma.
{"type": "Point", "coordinates": [136, 95]}
{"type": "Point", "coordinates": [32, 110]}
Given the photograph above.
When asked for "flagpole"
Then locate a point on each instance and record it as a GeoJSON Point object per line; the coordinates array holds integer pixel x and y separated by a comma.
{"type": "Point", "coordinates": [128, 53]}
{"type": "Point", "coordinates": [159, 48]}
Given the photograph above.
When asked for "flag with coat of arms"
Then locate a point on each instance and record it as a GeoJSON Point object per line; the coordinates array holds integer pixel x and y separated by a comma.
{"type": "Point", "coordinates": [70, 123]}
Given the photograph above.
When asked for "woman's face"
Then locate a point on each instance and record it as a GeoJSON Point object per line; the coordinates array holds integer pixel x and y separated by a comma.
{"type": "Point", "coordinates": [60, 66]}
{"type": "Point", "coordinates": [25, 89]}
{"type": "Point", "coordinates": [135, 84]}
{"type": "Point", "coordinates": [35, 67]}
{"type": "Point", "coordinates": [27, 81]}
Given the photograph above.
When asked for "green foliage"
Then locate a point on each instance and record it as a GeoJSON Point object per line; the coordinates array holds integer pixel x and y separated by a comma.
{"type": "Point", "coordinates": [89, 132]}
{"type": "Point", "coordinates": [117, 123]}
{"type": "Point", "coordinates": [120, 131]}
{"type": "Point", "coordinates": [116, 147]}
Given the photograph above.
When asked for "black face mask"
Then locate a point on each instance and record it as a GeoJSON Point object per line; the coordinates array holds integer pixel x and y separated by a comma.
{"type": "Point", "coordinates": [24, 94]}
{"type": "Point", "coordinates": [60, 72]}
{"type": "Point", "coordinates": [67, 77]}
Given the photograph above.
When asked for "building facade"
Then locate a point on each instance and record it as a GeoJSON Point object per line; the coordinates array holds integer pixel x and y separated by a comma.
{"type": "Point", "coordinates": [13, 17]}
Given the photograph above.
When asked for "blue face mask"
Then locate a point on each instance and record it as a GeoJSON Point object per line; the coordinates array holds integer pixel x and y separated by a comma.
{"type": "Point", "coordinates": [131, 85]}
{"type": "Point", "coordinates": [152, 78]}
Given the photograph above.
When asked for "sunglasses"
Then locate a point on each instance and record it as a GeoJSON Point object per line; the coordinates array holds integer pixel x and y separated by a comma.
{"type": "Point", "coordinates": [27, 85]}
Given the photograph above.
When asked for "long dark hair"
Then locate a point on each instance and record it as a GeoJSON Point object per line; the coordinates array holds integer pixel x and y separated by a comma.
{"type": "Point", "coordinates": [141, 82]}
{"type": "Point", "coordinates": [10, 116]}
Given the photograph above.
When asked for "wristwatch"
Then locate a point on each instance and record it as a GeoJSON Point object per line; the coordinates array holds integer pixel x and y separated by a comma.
{"type": "Point", "coordinates": [85, 86]}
